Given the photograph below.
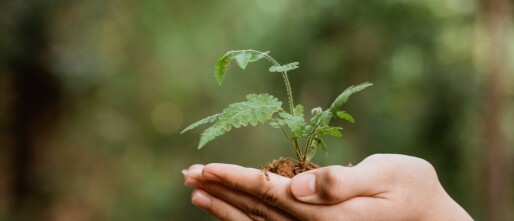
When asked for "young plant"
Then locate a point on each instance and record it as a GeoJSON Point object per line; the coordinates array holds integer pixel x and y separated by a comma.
{"type": "Point", "coordinates": [304, 137]}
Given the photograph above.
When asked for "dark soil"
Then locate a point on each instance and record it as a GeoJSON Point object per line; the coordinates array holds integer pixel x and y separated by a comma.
{"type": "Point", "coordinates": [286, 167]}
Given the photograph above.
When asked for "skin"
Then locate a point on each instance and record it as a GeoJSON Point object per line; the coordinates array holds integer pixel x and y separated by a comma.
{"type": "Point", "coordinates": [381, 187]}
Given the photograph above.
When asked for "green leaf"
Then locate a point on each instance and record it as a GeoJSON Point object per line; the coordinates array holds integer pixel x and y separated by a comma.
{"type": "Point", "coordinates": [242, 59]}
{"type": "Point", "coordinates": [321, 118]}
{"type": "Point", "coordinates": [209, 119]}
{"type": "Point", "coordinates": [258, 109]}
{"type": "Point", "coordinates": [327, 130]}
{"type": "Point", "coordinates": [295, 123]}
{"type": "Point", "coordinates": [345, 116]}
{"type": "Point", "coordinates": [211, 133]}
{"type": "Point", "coordinates": [257, 55]}
{"type": "Point", "coordinates": [310, 153]}
{"type": "Point", "coordinates": [277, 123]}
{"type": "Point", "coordinates": [221, 67]}
{"type": "Point", "coordinates": [298, 110]}
{"type": "Point", "coordinates": [318, 143]}
{"type": "Point", "coordinates": [343, 97]}
{"type": "Point", "coordinates": [284, 68]}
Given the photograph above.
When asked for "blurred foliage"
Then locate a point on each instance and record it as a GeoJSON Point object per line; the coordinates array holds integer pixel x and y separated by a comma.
{"type": "Point", "coordinates": [135, 73]}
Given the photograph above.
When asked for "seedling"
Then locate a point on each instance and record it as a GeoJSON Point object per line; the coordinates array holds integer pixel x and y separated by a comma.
{"type": "Point", "coordinates": [304, 137]}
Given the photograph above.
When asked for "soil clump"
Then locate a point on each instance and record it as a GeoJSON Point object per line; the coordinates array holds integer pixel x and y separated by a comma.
{"type": "Point", "coordinates": [287, 167]}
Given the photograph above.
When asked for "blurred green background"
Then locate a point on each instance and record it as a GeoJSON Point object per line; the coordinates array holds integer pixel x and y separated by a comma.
{"type": "Point", "coordinates": [93, 95]}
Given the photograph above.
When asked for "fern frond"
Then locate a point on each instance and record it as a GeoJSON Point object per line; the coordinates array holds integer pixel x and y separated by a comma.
{"type": "Point", "coordinates": [257, 109]}
{"type": "Point", "coordinates": [284, 68]}
{"type": "Point", "coordinates": [209, 119]}
{"type": "Point", "coordinates": [298, 110]}
{"type": "Point", "coordinates": [221, 67]}
{"type": "Point", "coordinates": [211, 133]}
{"type": "Point", "coordinates": [242, 57]}
{"type": "Point", "coordinates": [322, 117]}
{"type": "Point", "coordinates": [345, 116]}
{"type": "Point", "coordinates": [295, 123]}
{"type": "Point", "coordinates": [343, 97]}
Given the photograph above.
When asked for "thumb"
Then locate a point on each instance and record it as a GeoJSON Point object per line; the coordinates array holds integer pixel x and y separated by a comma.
{"type": "Point", "coordinates": [335, 184]}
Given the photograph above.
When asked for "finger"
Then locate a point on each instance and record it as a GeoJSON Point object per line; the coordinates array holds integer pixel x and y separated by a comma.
{"type": "Point", "coordinates": [193, 175]}
{"type": "Point", "coordinates": [334, 184]}
{"type": "Point", "coordinates": [218, 208]}
{"type": "Point", "coordinates": [250, 205]}
{"type": "Point", "coordinates": [194, 171]}
{"type": "Point", "coordinates": [274, 192]}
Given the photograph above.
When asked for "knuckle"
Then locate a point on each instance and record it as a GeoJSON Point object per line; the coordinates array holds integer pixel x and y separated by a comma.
{"type": "Point", "coordinates": [332, 183]}
{"type": "Point", "coordinates": [268, 196]}
{"type": "Point", "coordinates": [258, 212]}
{"type": "Point", "coordinates": [333, 176]}
{"type": "Point", "coordinates": [419, 167]}
{"type": "Point", "coordinates": [376, 155]}
{"type": "Point", "coordinates": [426, 167]}
{"type": "Point", "coordinates": [427, 173]}
{"type": "Point", "coordinates": [417, 173]}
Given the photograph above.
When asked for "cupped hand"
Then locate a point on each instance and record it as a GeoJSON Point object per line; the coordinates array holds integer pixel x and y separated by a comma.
{"type": "Point", "coordinates": [381, 187]}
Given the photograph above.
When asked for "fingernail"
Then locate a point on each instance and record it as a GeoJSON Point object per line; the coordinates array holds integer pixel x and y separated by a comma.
{"type": "Point", "coordinates": [191, 182]}
{"type": "Point", "coordinates": [201, 200]}
{"type": "Point", "coordinates": [184, 172]}
{"type": "Point", "coordinates": [196, 166]}
{"type": "Point", "coordinates": [210, 176]}
{"type": "Point", "coordinates": [195, 172]}
{"type": "Point", "coordinates": [303, 185]}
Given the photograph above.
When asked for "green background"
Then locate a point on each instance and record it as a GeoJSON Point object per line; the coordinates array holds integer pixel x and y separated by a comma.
{"type": "Point", "coordinates": [127, 76]}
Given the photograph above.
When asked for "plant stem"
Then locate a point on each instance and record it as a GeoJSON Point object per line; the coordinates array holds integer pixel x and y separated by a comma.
{"type": "Point", "coordinates": [308, 146]}
{"type": "Point", "coordinates": [298, 149]}
{"type": "Point", "coordinates": [296, 144]}
{"type": "Point", "coordinates": [286, 79]}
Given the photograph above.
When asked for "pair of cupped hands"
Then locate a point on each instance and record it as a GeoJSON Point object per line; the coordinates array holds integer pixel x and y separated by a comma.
{"type": "Point", "coordinates": [381, 187]}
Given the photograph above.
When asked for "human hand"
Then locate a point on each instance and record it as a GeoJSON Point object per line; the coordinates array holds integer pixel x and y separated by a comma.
{"type": "Point", "coordinates": [381, 187]}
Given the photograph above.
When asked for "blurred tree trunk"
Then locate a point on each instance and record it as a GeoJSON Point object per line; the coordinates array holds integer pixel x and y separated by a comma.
{"type": "Point", "coordinates": [37, 94]}
{"type": "Point", "coordinates": [498, 174]}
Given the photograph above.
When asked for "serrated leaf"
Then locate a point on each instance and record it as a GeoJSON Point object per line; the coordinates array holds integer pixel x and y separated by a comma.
{"type": "Point", "coordinates": [323, 117]}
{"type": "Point", "coordinates": [327, 130]}
{"type": "Point", "coordinates": [221, 67]}
{"type": "Point", "coordinates": [211, 133]}
{"type": "Point", "coordinates": [298, 111]}
{"type": "Point", "coordinates": [345, 116]}
{"type": "Point", "coordinates": [343, 97]}
{"type": "Point", "coordinates": [242, 58]}
{"type": "Point", "coordinates": [295, 123]}
{"type": "Point", "coordinates": [257, 55]}
{"type": "Point", "coordinates": [277, 123]}
{"type": "Point", "coordinates": [284, 68]}
{"type": "Point", "coordinates": [209, 119]}
{"type": "Point", "coordinates": [257, 109]}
